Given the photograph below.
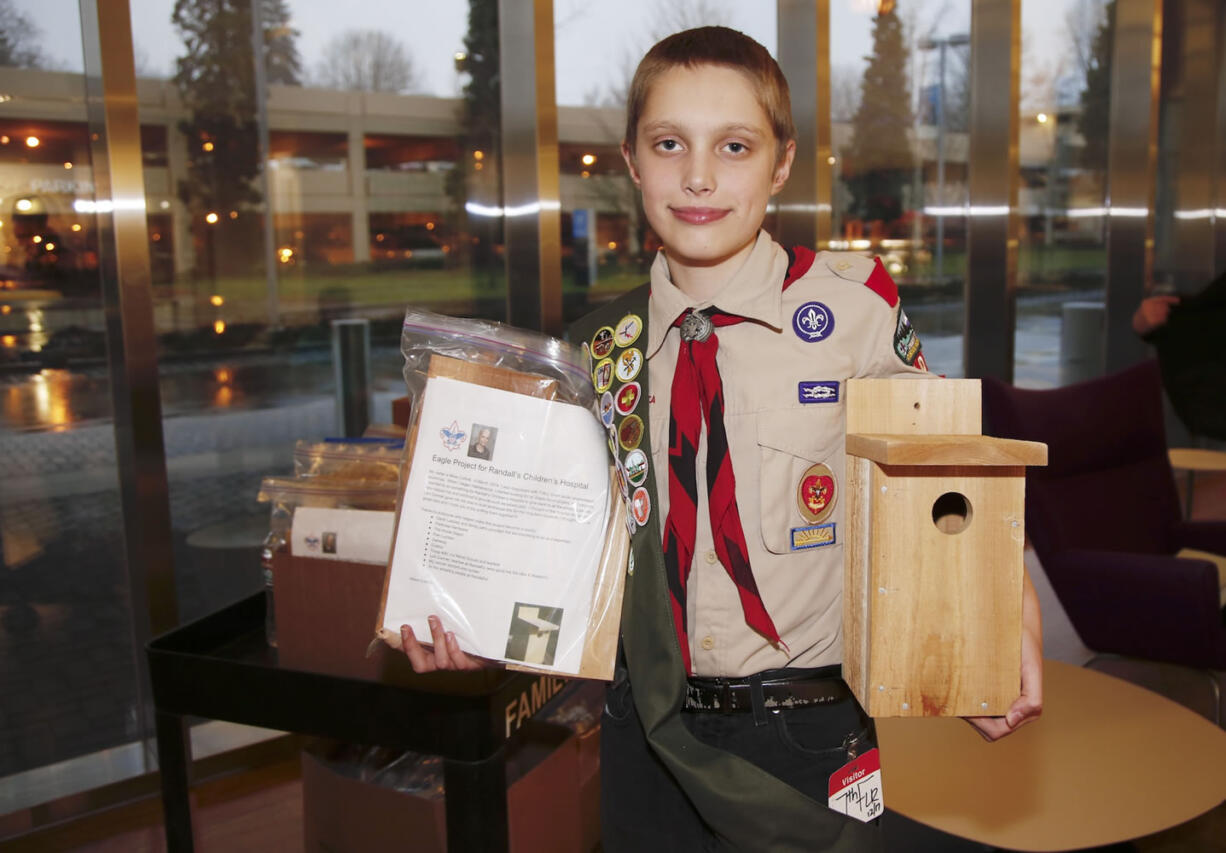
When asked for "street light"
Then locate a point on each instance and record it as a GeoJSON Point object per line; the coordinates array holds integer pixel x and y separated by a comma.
{"type": "Point", "coordinates": [940, 46]}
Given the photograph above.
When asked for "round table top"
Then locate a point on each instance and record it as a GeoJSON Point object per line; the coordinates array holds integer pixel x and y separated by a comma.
{"type": "Point", "coordinates": [1107, 762]}
{"type": "Point", "coordinates": [1197, 459]}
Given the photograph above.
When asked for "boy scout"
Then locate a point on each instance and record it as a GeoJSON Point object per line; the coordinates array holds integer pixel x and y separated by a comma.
{"type": "Point", "coordinates": [728, 718]}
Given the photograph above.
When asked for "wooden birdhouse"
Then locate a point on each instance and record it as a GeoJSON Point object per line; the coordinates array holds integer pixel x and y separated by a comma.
{"type": "Point", "coordinates": [932, 611]}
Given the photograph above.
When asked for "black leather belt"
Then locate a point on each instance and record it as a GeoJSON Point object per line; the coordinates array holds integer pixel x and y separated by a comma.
{"type": "Point", "coordinates": [776, 689]}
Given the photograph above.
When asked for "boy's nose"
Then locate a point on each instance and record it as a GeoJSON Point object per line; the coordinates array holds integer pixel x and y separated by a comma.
{"type": "Point", "coordinates": [699, 177]}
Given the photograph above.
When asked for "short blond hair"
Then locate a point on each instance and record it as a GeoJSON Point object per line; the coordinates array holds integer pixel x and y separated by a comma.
{"type": "Point", "coordinates": [715, 46]}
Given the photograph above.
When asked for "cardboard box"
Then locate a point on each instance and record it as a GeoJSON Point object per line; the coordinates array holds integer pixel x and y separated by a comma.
{"type": "Point", "coordinates": [343, 814]}
{"type": "Point", "coordinates": [326, 612]}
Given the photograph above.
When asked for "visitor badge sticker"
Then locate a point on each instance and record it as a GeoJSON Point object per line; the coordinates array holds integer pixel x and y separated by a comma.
{"type": "Point", "coordinates": [855, 788]}
{"type": "Point", "coordinates": [628, 330]}
{"type": "Point", "coordinates": [813, 322]}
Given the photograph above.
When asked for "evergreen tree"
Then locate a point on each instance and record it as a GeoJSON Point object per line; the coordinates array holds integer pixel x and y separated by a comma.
{"type": "Point", "coordinates": [879, 162]}
{"type": "Point", "coordinates": [1096, 96]}
{"type": "Point", "coordinates": [481, 122]}
{"type": "Point", "coordinates": [215, 77]}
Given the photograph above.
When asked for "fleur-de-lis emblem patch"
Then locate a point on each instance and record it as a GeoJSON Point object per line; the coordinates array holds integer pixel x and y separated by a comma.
{"type": "Point", "coordinates": [813, 321]}
{"type": "Point", "coordinates": [452, 436]}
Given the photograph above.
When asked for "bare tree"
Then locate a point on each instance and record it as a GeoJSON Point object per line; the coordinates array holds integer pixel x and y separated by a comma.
{"type": "Point", "coordinates": [1083, 19]}
{"type": "Point", "coordinates": [19, 39]}
{"type": "Point", "coordinates": [367, 61]}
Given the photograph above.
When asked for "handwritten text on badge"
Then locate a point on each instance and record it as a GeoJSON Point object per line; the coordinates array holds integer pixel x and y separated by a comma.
{"type": "Point", "coordinates": [855, 788]}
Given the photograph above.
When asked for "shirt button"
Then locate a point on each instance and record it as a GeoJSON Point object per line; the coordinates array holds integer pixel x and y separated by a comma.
{"type": "Point", "coordinates": [708, 643]}
{"type": "Point", "coordinates": [711, 557]}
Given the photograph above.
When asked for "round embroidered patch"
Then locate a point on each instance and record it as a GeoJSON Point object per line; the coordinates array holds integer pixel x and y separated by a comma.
{"type": "Point", "coordinates": [628, 398]}
{"type": "Point", "coordinates": [628, 330]}
{"type": "Point", "coordinates": [640, 506]}
{"type": "Point", "coordinates": [606, 408]}
{"type": "Point", "coordinates": [816, 493]}
{"type": "Point", "coordinates": [602, 342]}
{"type": "Point", "coordinates": [602, 376]}
{"type": "Point", "coordinates": [630, 433]}
{"type": "Point", "coordinates": [636, 467]}
{"type": "Point", "coordinates": [629, 363]}
{"type": "Point", "coordinates": [813, 322]}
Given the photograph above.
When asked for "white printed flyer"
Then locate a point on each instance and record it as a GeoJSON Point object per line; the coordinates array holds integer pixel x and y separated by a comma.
{"type": "Point", "coordinates": [502, 525]}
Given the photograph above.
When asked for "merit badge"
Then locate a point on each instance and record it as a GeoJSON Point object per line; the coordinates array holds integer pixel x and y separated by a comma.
{"type": "Point", "coordinates": [613, 441]}
{"type": "Point", "coordinates": [629, 363]}
{"type": "Point", "coordinates": [452, 436]}
{"type": "Point", "coordinates": [630, 433]}
{"type": "Point", "coordinates": [818, 392]}
{"type": "Point", "coordinates": [602, 342]}
{"type": "Point", "coordinates": [606, 408]}
{"type": "Point", "coordinates": [813, 322]}
{"type": "Point", "coordinates": [628, 398]}
{"type": "Point", "coordinates": [640, 506]}
{"type": "Point", "coordinates": [815, 495]}
{"type": "Point", "coordinates": [855, 788]}
{"type": "Point", "coordinates": [630, 525]}
{"type": "Point", "coordinates": [587, 355]}
{"type": "Point", "coordinates": [622, 484]}
{"type": "Point", "coordinates": [636, 467]}
{"type": "Point", "coordinates": [602, 377]}
{"type": "Point", "coordinates": [812, 537]}
{"type": "Point", "coordinates": [628, 330]}
{"type": "Point", "coordinates": [906, 342]}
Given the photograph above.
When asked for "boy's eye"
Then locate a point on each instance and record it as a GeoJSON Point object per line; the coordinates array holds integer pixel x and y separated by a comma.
{"type": "Point", "coordinates": [668, 145]}
{"type": "Point", "coordinates": [736, 147]}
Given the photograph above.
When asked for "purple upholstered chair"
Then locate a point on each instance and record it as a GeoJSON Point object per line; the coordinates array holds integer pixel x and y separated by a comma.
{"type": "Point", "coordinates": [1105, 521]}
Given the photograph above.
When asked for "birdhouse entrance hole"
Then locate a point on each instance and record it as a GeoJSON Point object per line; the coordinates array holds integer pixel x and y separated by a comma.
{"type": "Point", "coordinates": [951, 513]}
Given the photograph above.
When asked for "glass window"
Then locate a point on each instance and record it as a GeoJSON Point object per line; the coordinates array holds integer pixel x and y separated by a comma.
{"type": "Point", "coordinates": [899, 103]}
{"type": "Point", "coordinates": [1062, 258]}
{"type": "Point", "coordinates": [607, 245]}
{"type": "Point", "coordinates": [67, 665]}
{"type": "Point", "coordinates": [377, 136]}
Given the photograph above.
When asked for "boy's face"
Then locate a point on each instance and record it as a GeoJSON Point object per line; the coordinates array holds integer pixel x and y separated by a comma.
{"type": "Point", "coordinates": [705, 160]}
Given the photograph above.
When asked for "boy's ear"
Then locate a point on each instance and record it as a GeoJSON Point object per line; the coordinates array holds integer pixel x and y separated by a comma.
{"type": "Point", "coordinates": [784, 168]}
{"type": "Point", "coordinates": [628, 156]}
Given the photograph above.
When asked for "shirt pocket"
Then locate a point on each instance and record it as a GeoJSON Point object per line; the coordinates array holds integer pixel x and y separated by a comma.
{"type": "Point", "coordinates": [790, 443]}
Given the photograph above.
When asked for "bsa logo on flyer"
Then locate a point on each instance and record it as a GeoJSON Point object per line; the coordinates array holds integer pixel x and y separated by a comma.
{"type": "Point", "coordinates": [452, 436]}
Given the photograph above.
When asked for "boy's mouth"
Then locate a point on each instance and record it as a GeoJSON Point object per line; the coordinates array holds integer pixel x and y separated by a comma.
{"type": "Point", "coordinates": [699, 215]}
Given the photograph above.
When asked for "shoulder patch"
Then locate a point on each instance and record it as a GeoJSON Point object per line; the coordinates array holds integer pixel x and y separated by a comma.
{"type": "Point", "coordinates": [867, 271]}
{"type": "Point", "coordinates": [799, 261]}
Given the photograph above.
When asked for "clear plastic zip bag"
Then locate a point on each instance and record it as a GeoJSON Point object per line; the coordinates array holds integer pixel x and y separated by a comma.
{"type": "Point", "coordinates": [509, 526]}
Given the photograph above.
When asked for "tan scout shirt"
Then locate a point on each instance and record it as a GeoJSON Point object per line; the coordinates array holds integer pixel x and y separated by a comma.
{"type": "Point", "coordinates": [773, 438]}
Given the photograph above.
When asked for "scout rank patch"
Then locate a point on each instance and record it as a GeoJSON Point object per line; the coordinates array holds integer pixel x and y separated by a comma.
{"type": "Point", "coordinates": [816, 493]}
{"type": "Point", "coordinates": [907, 344]}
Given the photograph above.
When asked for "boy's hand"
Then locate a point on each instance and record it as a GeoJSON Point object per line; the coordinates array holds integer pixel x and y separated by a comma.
{"type": "Point", "coordinates": [1029, 705]}
{"type": "Point", "coordinates": [446, 653]}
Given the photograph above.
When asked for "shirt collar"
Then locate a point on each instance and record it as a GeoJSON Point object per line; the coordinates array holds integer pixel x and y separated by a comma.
{"type": "Point", "coordinates": [754, 292]}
